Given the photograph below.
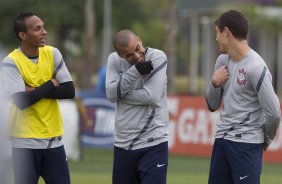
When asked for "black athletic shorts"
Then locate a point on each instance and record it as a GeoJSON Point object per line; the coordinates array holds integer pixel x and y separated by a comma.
{"type": "Point", "coordinates": [50, 164]}
{"type": "Point", "coordinates": [146, 165]}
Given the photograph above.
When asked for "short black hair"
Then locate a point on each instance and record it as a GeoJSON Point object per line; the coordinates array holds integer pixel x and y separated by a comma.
{"type": "Point", "coordinates": [19, 23]}
{"type": "Point", "coordinates": [235, 21]}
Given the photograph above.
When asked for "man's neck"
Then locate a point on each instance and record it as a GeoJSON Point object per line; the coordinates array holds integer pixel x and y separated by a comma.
{"type": "Point", "coordinates": [30, 52]}
{"type": "Point", "coordinates": [239, 50]}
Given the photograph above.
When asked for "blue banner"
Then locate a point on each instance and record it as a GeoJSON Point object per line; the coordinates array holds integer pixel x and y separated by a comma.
{"type": "Point", "coordinates": [97, 129]}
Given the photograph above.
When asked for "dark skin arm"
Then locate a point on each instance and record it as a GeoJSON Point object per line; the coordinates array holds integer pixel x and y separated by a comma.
{"type": "Point", "coordinates": [64, 90]}
{"type": "Point", "coordinates": [33, 95]}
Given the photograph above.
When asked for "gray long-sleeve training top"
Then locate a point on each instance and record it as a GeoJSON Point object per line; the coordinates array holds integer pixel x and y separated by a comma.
{"type": "Point", "coordinates": [251, 109]}
{"type": "Point", "coordinates": [141, 118]}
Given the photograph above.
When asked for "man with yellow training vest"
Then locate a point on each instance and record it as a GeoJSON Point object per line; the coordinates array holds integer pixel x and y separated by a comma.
{"type": "Point", "coordinates": [35, 76]}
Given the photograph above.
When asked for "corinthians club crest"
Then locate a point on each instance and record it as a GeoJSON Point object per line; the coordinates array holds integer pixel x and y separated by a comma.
{"type": "Point", "coordinates": [241, 79]}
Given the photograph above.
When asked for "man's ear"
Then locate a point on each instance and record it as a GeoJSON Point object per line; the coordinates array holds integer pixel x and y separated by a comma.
{"type": "Point", "coordinates": [226, 31]}
{"type": "Point", "coordinates": [120, 51]}
{"type": "Point", "coordinates": [139, 39]}
{"type": "Point", "coordinates": [22, 35]}
{"type": "Point", "coordinates": [120, 55]}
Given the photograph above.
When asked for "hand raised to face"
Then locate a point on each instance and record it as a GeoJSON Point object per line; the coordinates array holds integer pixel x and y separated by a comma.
{"type": "Point", "coordinates": [145, 67]}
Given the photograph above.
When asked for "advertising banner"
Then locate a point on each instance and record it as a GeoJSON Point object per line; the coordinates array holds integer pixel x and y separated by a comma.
{"type": "Point", "coordinates": [192, 127]}
{"type": "Point", "coordinates": [97, 126]}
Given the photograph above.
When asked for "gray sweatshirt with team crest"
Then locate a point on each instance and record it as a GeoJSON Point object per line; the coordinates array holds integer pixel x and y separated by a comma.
{"type": "Point", "coordinates": [141, 118]}
{"type": "Point", "coordinates": [251, 110]}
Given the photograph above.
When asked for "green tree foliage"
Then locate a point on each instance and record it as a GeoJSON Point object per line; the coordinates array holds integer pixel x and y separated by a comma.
{"type": "Point", "coordinates": [151, 33]}
{"type": "Point", "coordinates": [60, 18]}
{"type": "Point", "coordinates": [65, 23]}
{"type": "Point", "coordinates": [64, 19]}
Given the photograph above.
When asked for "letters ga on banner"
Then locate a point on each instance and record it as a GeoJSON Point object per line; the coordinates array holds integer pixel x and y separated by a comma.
{"type": "Point", "coordinates": [192, 127]}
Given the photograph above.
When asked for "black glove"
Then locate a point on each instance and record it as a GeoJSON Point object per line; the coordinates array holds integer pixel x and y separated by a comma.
{"type": "Point", "coordinates": [144, 68]}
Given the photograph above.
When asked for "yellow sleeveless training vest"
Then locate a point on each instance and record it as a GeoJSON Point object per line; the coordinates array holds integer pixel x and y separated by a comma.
{"type": "Point", "coordinates": [42, 119]}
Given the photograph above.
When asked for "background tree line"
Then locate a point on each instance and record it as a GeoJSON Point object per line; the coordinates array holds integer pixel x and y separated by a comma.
{"type": "Point", "coordinates": [77, 28]}
{"type": "Point", "coordinates": [79, 36]}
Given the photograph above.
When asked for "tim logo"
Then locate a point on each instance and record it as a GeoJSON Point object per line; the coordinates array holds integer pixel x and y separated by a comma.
{"type": "Point", "coordinates": [241, 79]}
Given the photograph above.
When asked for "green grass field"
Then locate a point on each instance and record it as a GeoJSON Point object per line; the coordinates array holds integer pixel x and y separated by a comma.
{"type": "Point", "coordinates": [96, 167]}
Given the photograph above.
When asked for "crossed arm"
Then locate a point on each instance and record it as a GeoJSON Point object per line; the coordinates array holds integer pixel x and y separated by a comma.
{"type": "Point", "coordinates": [50, 89]}
{"type": "Point", "coordinates": [59, 87]}
{"type": "Point", "coordinates": [120, 86]}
